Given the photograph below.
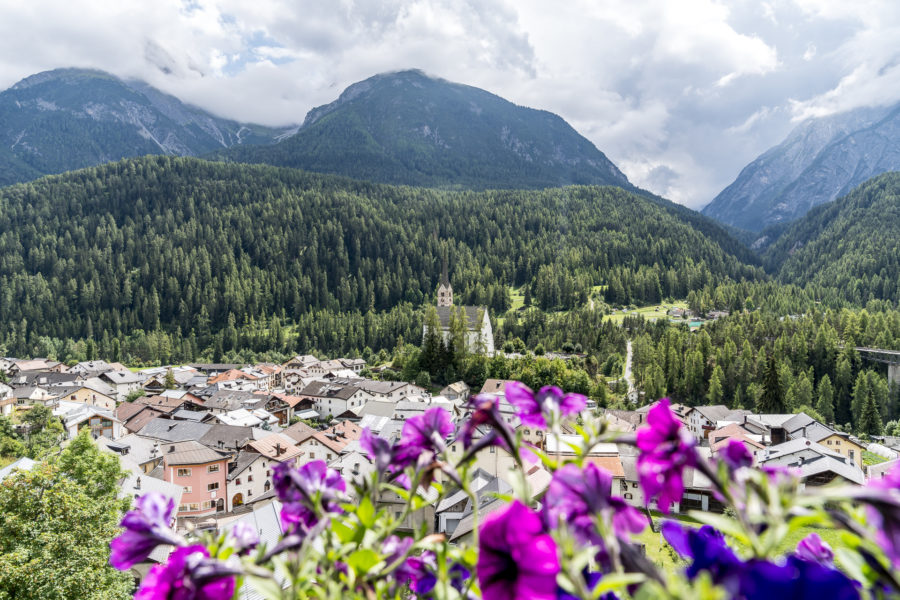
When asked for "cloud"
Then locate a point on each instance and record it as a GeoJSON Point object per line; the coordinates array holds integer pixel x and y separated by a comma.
{"type": "Point", "coordinates": [681, 95]}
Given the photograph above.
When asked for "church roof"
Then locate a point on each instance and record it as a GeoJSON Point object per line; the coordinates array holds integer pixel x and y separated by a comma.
{"type": "Point", "coordinates": [472, 320]}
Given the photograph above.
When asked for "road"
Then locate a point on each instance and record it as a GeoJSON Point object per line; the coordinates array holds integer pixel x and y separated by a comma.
{"type": "Point", "coordinates": [628, 355]}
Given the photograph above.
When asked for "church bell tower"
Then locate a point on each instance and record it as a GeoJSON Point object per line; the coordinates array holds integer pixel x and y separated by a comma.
{"type": "Point", "coordinates": [445, 290]}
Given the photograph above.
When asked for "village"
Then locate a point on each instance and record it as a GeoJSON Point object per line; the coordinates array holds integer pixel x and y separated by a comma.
{"type": "Point", "coordinates": [209, 435]}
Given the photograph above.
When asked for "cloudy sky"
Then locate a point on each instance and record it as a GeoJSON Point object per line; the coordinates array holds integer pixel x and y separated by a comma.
{"type": "Point", "coordinates": [679, 94]}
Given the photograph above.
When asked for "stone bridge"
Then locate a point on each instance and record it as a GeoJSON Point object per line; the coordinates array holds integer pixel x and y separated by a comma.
{"type": "Point", "coordinates": [889, 357]}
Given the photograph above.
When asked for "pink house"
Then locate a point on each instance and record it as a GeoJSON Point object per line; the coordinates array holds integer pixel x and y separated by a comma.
{"type": "Point", "coordinates": [201, 473]}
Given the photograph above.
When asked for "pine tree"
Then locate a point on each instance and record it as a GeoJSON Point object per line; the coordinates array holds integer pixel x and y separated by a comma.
{"type": "Point", "coordinates": [825, 404]}
{"type": "Point", "coordinates": [772, 400]}
{"type": "Point", "coordinates": [870, 420]}
{"type": "Point", "coordinates": [714, 394]}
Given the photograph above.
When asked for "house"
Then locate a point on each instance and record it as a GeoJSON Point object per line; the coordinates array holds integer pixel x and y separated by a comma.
{"type": "Point", "coordinates": [880, 470]}
{"type": "Point", "coordinates": [815, 464]}
{"type": "Point", "coordinates": [720, 437]}
{"type": "Point", "coordinates": [845, 445]}
{"type": "Point", "coordinates": [211, 369]}
{"type": "Point", "coordinates": [385, 390]}
{"type": "Point", "coordinates": [456, 392]}
{"type": "Point", "coordinates": [303, 361]}
{"type": "Point", "coordinates": [7, 400]}
{"type": "Point", "coordinates": [91, 368]}
{"type": "Point", "coordinates": [142, 451]}
{"type": "Point", "coordinates": [249, 477]}
{"type": "Point", "coordinates": [76, 416]}
{"type": "Point", "coordinates": [283, 406]}
{"type": "Point", "coordinates": [700, 420]}
{"type": "Point", "coordinates": [124, 382]}
{"type": "Point", "coordinates": [278, 448]}
{"type": "Point", "coordinates": [17, 365]}
{"type": "Point", "coordinates": [170, 404]}
{"type": "Point", "coordinates": [332, 399]}
{"type": "Point", "coordinates": [82, 394]}
{"type": "Point", "coordinates": [201, 472]}
{"type": "Point", "coordinates": [29, 396]}
{"type": "Point", "coordinates": [258, 417]}
{"type": "Point", "coordinates": [135, 415]}
{"type": "Point", "coordinates": [239, 379]}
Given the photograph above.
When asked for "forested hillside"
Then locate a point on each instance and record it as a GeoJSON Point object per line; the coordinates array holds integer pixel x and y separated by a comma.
{"type": "Point", "coordinates": [67, 119]}
{"type": "Point", "coordinates": [847, 250]}
{"type": "Point", "coordinates": [193, 252]}
{"type": "Point", "coordinates": [412, 129]}
{"type": "Point", "coordinates": [748, 359]}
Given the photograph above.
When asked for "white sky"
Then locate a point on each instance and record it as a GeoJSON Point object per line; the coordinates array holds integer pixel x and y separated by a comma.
{"type": "Point", "coordinates": [680, 94]}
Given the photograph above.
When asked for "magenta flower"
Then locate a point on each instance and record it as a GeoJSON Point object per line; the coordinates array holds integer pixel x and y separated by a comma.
{"type": "Point", "coordinates": [189, 574]}
{"type": "Point", "coordinates": [378, 449]}
{"type": "Point", "coordinates": [307, 493]}
{"type": "Point", "coordinates": [815, 549]}
{"type": "Point", "coordinates": [486, 413]}
{"type": "Point", "coordinates": [666, 450]}
{"type": "Point", "coordinates": [883, 499]}
{"type": "Point", "coordinates": [736, 455]}
{"type": "Point", "coordinates": [517, 558]}
{"type": "Point", "coordinates": [426, 433]}
{"type": "Point", "coordinates": [575, 496]}
{"type": "Point", "coordinates": [244, 536]}
{"type": "Point", "coordinates": [146, 527]}
{"type": "Point", "coordinates": [549, 403]}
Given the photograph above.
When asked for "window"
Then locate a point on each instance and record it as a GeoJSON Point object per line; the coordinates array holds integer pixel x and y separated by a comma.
{"type": "Point", "coordinates": [184, 472]}
{"type": "Point", "coordinates": [212, 486]}
{"type": "Point", "coordinates": [312, 454]}
{"type": "Point", "coordinates": [850, 454]}
{"type": "Point", "coordinates": [187, 489]}
{"type": "Point", "coordinates": [829, 442]}
{"type": "Point", "coordinates": [212, 469]}
{"type": "Point", "coordinates": [628, 496]}
{"type": "Point", "coordinates": [493, 449]}
{"type": "Point", "coordinates": [633, 484]}
{"type": "Point", "coordinates": [837, 443]}
{"type": "Point", "coordinates": [238, 481]}
{"type": "Point", "coordinates": [249, 478]}
{"type": "Point", "coordinates": [208, 504]}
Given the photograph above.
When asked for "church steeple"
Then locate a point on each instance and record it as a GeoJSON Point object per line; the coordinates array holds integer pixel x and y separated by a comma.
{"type": "Point", "coordinates": [445, 290]}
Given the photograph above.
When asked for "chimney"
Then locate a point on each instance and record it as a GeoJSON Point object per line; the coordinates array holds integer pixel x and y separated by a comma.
{"type": "Point", "coordinates": [279, 450]}
{"type": "Point", "coordinates": [171, 449]}
{"type": "Point", "coordinates": [137, 484]}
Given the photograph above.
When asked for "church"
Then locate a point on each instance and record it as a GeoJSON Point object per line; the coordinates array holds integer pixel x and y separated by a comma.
{"type": "Point", "coordinates": [479, 333]}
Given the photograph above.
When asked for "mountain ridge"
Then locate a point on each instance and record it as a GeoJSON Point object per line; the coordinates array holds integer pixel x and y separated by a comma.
{"type": "Point", "coordinates": [408, 128]}
{"type": "Point", "coordinates": [819, 161]}
{"type": "Point", "coordinates": [66, 119]}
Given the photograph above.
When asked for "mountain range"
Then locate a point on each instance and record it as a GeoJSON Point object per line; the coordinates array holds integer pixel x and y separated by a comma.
{"type": "Point", "coordinates": [67, 119]}
{"type": "Point", "coordinates": [820, 160]}
{"type": "Point", "coordinates": [409, 128]}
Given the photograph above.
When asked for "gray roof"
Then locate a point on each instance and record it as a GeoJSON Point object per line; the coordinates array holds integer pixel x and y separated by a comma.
{"type": "Point", "coordinates": [136, 448]}
{"type": "Point", "coordinates": [326, 389]}
{"type": "Point", "coordinates": [190, 415]}
{"type": "Point", "coordinates": [232, 437]}
{"type": "Point", "coordinates": [191, 453]}
{"type": "Point", "coordinates": [24, 464]}
{"type": "Point", "coordinates": [33, 378]}
{"type": "Point", "coordinates": [372, 386]}
{"type": "Point", "coordinates": [174, 431]}
{"type": "Point", "coordinates": [244, 460]}
{"type": "Point", "coordinates": [472, 321]}
{"type": "Point", "coordinates": [823, 461]}
{"type": "Point", "coordinates": [118, 377]}
{"type": "Point", "coordinates": [378, 408]}
{"type": "Point", "coordinates": [232, 399]}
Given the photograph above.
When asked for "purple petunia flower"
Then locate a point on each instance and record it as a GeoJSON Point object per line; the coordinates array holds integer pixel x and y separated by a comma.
{"type": "Point", "coordinates": [245, 537]}
{"type": "Point", "coordinates": [591, 580]}
{"type": "Point", "coordinates": [426, 433]}
{"type": "Point", "coordinates": [306, 493]}
{"type": "Point", "coordinates": [378, 449]}
{"type": "Point", "coordinates": [883, 499]}
{"type": "Point", "coordinates": [549, 403]}
{"type": "Point", "coordinates": [666, 450]}
{"type": "Point", "coordinates": [796, 579]}
{"type": "Point", "coordinates": [486, 412]}
{"type": "Point", "coordinates": [736, 455]}
{"type": "Point", "coordinates": [576, 496]}
{"type": "Point", "coordinates": [517, 558]}
{"type": "Point", "coordinates": [189, 574]}
{"type": "Point", "coordinates": [146, 527]}
{"type": "Point", "coordinates": [707, 547]}
{"type": "Point", "coordinates": [815, 549]}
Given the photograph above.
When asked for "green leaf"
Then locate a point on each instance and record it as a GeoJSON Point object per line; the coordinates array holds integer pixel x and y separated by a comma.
{"type": "Point", "coordinates": [852, 562]}
{"type": "Point", "coordinates": [722, 523]}
{"type": "Point", "coordinates": [617, 581]}
{"type": "Point", "coordinates": [343, 530]}
{"type": "Point", "coordinates": [366, 512]}
{"type": "Point", "coordinates": [363, 560]}
{"type": "Point", "coordinates": [267, 588]}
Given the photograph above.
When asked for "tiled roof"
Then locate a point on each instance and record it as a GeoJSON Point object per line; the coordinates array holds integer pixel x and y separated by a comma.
{"type": "Point", "coordinates": [277, 446]}
{"type": "Point", "coordinates": [192, 453]}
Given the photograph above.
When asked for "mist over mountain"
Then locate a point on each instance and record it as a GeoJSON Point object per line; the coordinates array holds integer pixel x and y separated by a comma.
{"type": "Point", "coordinates": [821, 160]}
{"type": "Point", "coordinates": [67, 119]}
{"type": "Point", "coordinates": [408, 128]}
